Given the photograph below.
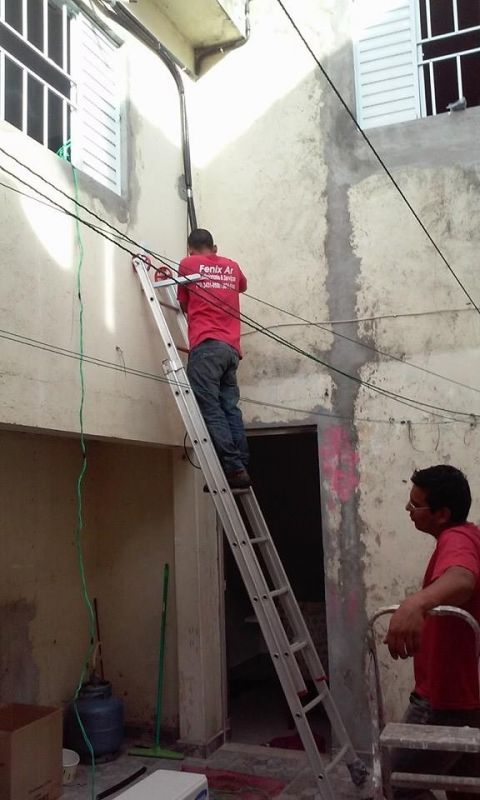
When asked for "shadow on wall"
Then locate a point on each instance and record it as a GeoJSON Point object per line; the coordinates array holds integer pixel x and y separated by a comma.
{"type": "Point", "coordinates": [19, 679]}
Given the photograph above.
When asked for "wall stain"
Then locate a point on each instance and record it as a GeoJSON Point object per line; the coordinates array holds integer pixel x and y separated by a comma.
{"type": "Point", "coordinates": [19, 674]}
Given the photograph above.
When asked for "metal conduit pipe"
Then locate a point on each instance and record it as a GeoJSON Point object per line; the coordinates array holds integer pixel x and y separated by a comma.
{"type": "Point", "coordinates": [128, 21]}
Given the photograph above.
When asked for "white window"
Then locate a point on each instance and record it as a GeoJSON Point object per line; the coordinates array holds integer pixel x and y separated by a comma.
{"type": "Point", "coordinates": [59, 83]}
{"type": "Point", "coordinates": [414, 58]}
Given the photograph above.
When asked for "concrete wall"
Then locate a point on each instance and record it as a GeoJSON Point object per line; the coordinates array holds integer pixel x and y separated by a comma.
{"type": "Point", "coordinates": [291, 190]}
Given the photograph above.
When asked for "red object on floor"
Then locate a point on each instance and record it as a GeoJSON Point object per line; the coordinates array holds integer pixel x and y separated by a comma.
{"type": "Point", "coordinates": [246, 787]}
{"type": "Point", "coordinates": [294, 742]}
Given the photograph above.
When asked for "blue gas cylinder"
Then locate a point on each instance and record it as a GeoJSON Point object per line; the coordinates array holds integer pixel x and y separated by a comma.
{"type": "Point", "coordinates": [101, 716]}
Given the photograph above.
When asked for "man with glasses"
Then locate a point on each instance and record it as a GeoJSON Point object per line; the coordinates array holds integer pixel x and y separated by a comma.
{"type": "Point", "coordinates": [443, 647]}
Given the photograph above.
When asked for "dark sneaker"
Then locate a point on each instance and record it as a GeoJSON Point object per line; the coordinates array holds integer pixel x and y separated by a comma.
{"type": "Point", "coordinates": [239, 479]}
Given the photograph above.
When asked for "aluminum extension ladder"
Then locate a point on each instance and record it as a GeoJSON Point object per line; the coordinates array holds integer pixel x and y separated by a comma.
{"type": "Point", "coordinates": [254, 551]}
{"type": "Point", "coordinates": [415, 737]}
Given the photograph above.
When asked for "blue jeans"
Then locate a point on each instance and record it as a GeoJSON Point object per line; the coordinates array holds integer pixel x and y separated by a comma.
{"type": "Point", "coordinates": [212, 372]}
{"type": "Point", "coordinates": [437, 762]}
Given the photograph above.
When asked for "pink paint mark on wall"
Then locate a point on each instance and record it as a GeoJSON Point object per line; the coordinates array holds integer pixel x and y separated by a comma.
{"type": "Point", "coordinates": [339, 463]}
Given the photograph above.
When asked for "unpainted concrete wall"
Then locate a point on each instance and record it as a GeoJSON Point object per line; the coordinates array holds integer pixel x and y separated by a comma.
{"type": "Point", "coordinates": [127, 538]}
{"type": "Point", "coordinates": [292, 191]}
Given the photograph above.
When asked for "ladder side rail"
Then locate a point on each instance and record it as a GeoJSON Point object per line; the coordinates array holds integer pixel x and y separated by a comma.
{"type": "Point", "coordinates": [239, 540]}
{"type": "Point", "coordinates": [236, 533]}
{"type": "Point", "coordinates": [296, 619]}
{"type": "Point", "coordinates": [255, 581]}
{"type": "Point", "coordinates": [268, 618]}
{"type": "Point", "coordinates": [171, 294]}
{"type": "Point", "coordinates": [279, 576]}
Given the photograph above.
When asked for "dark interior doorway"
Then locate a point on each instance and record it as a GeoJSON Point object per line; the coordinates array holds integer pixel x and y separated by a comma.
{"type": "Point", "coordinates": [284, 468]}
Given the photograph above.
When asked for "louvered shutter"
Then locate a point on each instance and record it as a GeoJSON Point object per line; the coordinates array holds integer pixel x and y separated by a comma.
{"type": "Point", "coordinates": [386, 75]}
{"type": "Point", "coordinates": [96, 121]}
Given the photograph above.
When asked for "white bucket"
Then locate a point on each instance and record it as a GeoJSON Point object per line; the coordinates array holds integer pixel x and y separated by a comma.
{"type": "Point", "coordinates": [70, 761]}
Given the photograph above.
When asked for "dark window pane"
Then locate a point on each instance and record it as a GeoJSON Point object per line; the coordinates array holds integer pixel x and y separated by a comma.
{"type": "Point", "coordinates": [13, 93]}
{"type": "Point", "coordinates": [468, 13]}
{"type": "Point", "coordinates": [35, 109]}
{"type": "Point", "coordinates": [13, 14]}
{"type": "Point", "coordinates": [446, 84]}
{"type": "Point", "coordinates": [452, 45]}
{"type": "Point", "coordinates": [55, 133]}
{"type": "Point", "coordinates": [423, 20]}
{"type": "Point", "coordinates": [55, 49]}
{"type": "Point", "coordinates": [441, 14]}
{"type": "Point", "coordinates": [35, 23]}
{"type": "Point", "coordinates": [471, 79]}
{"type": "Point", "coordinates": [428, 93]}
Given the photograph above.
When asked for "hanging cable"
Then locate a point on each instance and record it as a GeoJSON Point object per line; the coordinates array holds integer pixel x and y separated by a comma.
{"type": "Point", "coordinates": [376, 153]}
{"type": "Point", "coordinates": [413, 403]}
{"type": "Point", "coordinates": [64, 152]}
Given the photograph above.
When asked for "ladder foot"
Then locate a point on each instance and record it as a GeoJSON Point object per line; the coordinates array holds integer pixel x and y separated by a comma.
{"type": "Point", "coordinates": [358, 772]}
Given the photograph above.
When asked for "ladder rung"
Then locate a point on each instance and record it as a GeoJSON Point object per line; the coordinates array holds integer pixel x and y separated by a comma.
{"type": "Point", "coordinates": [279, 592]}
{"type": "Point", "coordinates": [296, 646]}
{"type": "Point", "coordinates": [336, 760]}
{"type": "Point", "coordinates": [259, 540]}
{"type": "Point", "coordinates": [182, 349]}
{"type": "Point", "coordinates": [313, 703]}
{"type": "Point", "coordinates": [431, 737]}
{"type": "Point", "coordinates": [439, 782]}
{"type": "Point", "coordinates": [178, 280]}
{"type": "Point", "coordinates": [171, 306]}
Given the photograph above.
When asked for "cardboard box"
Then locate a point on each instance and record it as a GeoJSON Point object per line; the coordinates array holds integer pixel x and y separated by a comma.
{"type": "Point", "coordinates": [30, 752]}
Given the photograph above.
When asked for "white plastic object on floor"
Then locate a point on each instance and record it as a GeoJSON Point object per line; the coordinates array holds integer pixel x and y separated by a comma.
{"type": "Point", "coordinates": [70, 762]}
{"type": "Point", "coordinates": [166, 784]}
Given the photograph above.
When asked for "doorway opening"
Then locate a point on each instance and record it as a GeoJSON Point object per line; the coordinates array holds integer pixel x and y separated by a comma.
{"type": "Point", "coordinates": [284, 468]}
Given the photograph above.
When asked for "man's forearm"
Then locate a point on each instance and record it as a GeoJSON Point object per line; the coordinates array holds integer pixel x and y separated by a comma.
{"type": "Point", "coordinates": [454, 587]}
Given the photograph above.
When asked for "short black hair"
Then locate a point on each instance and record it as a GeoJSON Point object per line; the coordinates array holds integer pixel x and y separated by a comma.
{"type": "Point", "coordinates": [200, 239]}
{"type": "Point", "coordinates": [445, 487]}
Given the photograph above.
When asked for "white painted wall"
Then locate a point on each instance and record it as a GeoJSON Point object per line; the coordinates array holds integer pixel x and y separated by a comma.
{"type": "Point", "coordinates": [39, 259]}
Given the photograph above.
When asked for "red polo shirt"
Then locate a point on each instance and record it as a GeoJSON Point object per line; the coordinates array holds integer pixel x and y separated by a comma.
{"type": "Point", "coordinates": [446, 666]}
{"type": "Point", "coordinates": [212, 304]}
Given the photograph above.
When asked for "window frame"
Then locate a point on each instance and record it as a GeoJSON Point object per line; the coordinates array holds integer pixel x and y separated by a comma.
{"type": "Point", "coordinates": [72, 113]}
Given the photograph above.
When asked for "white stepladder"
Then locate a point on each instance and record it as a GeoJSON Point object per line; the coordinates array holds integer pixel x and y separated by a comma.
{"type": "Point", "coordinates": [408, 736]}
{"type": "Point", "coordinates": [254, 551]}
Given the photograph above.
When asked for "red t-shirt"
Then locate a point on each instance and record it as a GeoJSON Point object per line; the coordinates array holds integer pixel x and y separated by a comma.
{"type": "Point", "coordinates": [212, 305]}
{"type": "Point", "coordinates": [446, 666]}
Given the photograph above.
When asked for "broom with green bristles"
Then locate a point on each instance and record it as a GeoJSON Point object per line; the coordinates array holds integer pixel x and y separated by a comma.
{"type": "Point", "coordinates": [156, 751]}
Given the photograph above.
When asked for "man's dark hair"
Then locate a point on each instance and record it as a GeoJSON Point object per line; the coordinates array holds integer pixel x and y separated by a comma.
{"type": "Point", "coordinates": [445, 487]}
{"type": "Point", "coordinates": [200, 239]}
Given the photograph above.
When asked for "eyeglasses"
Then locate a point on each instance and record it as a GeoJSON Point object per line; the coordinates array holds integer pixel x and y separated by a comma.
{"type": "Point", "coordinates": [411, 507]}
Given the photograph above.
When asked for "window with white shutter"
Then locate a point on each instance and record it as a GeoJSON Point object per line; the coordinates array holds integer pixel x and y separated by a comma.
{"type": "Point", "coordinates": [385, 62]}
{"type": "Point", "coordinates": [59, 83]}
{"type": "Point", "coordinates": [415, 58]}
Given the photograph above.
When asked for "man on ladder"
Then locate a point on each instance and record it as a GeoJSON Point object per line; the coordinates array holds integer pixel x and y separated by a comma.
{"type": "Point", "coordinates": [213, 313]}
{"type": "Point", "coordinates": [445, 662]}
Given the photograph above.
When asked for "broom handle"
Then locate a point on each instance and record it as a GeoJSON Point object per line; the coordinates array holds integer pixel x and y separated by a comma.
{"type": "Point", "coordinates": [161, 657]}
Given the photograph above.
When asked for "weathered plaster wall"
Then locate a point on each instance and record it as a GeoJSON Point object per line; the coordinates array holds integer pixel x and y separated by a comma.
{"type": "Point", "coordinates": [127, 539]}
{"type": "Point", "coordinates": [290, 189]}
{"type": "Point", "coordinates": [38, 262]}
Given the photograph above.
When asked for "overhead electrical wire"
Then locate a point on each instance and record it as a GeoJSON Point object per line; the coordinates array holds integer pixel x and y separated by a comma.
{"type": "Point", "coordinates": [320, 325]}
{"type": "Point", "coordinates": [411, 402]}
{"type": "Point", "coordinates": [125, 370]}
{"type": "Point", "coordinates": [376, 153]}
{"type": "Point", "coordinates": [173, 264]}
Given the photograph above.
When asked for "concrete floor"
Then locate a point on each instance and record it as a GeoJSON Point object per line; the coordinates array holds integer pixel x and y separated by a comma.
{"type": "Point", "coordinates": [287, 765]}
